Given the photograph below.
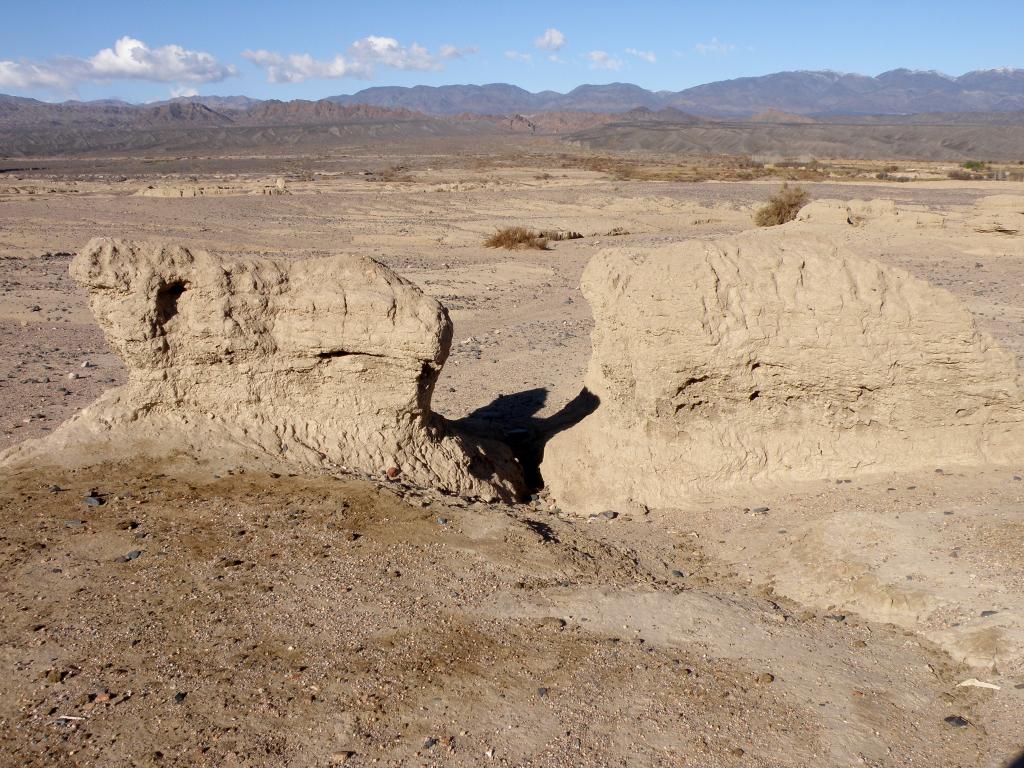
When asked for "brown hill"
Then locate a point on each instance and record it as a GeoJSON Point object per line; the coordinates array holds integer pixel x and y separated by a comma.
{"type": "Point", "coordinates": [777, 116]}
{"type": "Point", "coordinates": [302, 112]}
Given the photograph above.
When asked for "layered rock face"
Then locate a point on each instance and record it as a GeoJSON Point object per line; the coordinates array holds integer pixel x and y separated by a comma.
{"type": "Point", "coordinates": [774, 356]}
{"type": "Point", "coordinates": [324, 363]}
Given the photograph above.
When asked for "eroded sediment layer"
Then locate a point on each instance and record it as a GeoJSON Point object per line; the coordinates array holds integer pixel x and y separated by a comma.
{"type": "Point", "coordinates": [322, 363]}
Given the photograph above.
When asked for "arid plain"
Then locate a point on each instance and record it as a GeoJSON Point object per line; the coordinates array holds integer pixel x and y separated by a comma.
{"type": "Point", "coordinates": [217, 615]}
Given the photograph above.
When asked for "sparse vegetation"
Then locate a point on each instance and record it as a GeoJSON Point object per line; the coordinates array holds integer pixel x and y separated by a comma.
{"type": "Point", "coordinates": [975, 165]}
{"type": "Point", "coordinates": [556, 235]}
{"type": "Point", "coordinates": [517, 238]}
{"type": "Point", "coordinates": [782, 207]}
{"type": "Point", "coordinates": [523, 238]}
{"type": "Point", "coordinates": [617, 232]}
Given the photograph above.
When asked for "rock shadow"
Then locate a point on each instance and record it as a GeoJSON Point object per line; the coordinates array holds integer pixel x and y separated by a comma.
{"type": "Point", "coordinates": [512, 419]}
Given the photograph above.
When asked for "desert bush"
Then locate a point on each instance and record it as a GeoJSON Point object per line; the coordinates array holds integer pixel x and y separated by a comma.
{"type": "Point", "coordinates": [782, 207]}
{"type": "Point", "coordinates": [556, 235]}
{"type": "Point", "coordinates": [517, 238]}
{"type": "Point", "coordinates": [975, 165]}
{"type": "Point", "coordinates": [617, 232]}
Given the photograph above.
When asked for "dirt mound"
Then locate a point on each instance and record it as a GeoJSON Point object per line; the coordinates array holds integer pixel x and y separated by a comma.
{"type": "Point", "coordinates": [324, 363]}
{"type": "Point", "coordinates": [875, 212]}
{"type": "Point", "coordinates": [774, 356]}
{"type": "Point", "coordinates": [999, 214]}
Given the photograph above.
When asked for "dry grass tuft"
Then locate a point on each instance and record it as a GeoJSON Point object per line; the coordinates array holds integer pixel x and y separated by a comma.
{"type": "Point", "coordinates": [556, 235]}
{"type": "Point", "coordinates": [782, 207]}
{"type": "Point", "coordinates": [517, 238]}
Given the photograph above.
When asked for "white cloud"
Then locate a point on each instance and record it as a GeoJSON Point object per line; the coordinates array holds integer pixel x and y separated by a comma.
{"type": "Point", "coordinates": [129, 59]}
{"type": "Point", "coordinates": [551, 40]}
{"type": "Point", "coordinates": [133, 59]}
{"type": "Point", "coordinates": [360, 60]}
{"type": "Point", "coordinates": [296, 67]}
{"type": "Point", "coordinates": [517, 56]}
{"type": "Point", "coordinates": [603, 60]}
{"type": "Point", "coordinates": [647, 56]}
{"type": "Point", "coordinates": [25, 75]}
{"type": "Point", "coordinates": [714, 48]}
{"type": "Point", "coordinates": [183, 92]}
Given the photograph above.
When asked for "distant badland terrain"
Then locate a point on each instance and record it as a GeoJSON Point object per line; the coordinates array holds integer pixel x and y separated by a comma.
{"type": "Point", "coordinates": [902, 114]}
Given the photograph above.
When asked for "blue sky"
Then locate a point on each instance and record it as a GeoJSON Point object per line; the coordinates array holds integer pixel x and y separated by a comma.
{"type": "Point", "coordinates": [143, 51]}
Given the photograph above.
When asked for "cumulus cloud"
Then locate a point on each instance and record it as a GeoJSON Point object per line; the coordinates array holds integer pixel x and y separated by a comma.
{"type": "Point", "coordinates": [647, 56]}
{"type": "Point", "coordinates": [518, 56]}
{"type": "Point", "coordinates": [128, 59]}
{"type": "Point", "coordinates": [183, 92]}
{"type": "Point", "coordinates": [551, 40]}
{"type": "Point", "coordinates": [133, 59]}
{"type": "Point", "coordinates": [603, 60]}
{"type": "Point", "coordinates": [360, 60]}
{"type": "Point", "coordinates": [714, 47]}
{"type": "Point", "coordinates": [296, 67]}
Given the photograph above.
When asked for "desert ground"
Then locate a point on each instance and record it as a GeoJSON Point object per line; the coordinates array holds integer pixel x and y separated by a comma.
{"type": "Point", "coordinates": [217, 615]}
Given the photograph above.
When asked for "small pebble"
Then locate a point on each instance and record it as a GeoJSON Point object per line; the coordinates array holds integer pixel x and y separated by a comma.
{"type": "Point", "coordinates": [429, 743]}
{"type": "Point", "coordinates": [542, 692]}
{"type": "Point", "coordinates": [956, 721]}
{"type": "Point", "coordinates": [93, 501]}
{"type": "Point", "coordinates": [135, 553]}
{"type": "Point", "coordinates": [179, 697]}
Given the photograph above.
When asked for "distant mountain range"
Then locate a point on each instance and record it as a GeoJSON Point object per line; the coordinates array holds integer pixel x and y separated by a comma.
{"type": "Point", "coordinates": [901, 91]}
{"type": "Point", "coordinates": [816, 114]}
{"type": "Point", "coordinates": [822, 95]}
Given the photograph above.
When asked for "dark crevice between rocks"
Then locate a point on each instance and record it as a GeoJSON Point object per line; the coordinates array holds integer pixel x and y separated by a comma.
{"type": "Point", "coordinates": [512, 419]}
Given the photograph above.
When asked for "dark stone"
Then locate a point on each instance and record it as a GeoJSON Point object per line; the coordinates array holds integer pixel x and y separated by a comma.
{"type": "Point", "coordinates": [135, 553]}
{"type": "Point", "coordinates": [956, 721]}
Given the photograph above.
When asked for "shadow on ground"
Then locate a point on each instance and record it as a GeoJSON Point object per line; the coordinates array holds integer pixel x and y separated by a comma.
{"type": "Point", "coordinates": [513, 420]}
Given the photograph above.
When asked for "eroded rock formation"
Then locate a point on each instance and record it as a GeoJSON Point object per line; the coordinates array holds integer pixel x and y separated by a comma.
{"type": "Point", "coordinates": [771, 356]}
{"type": "Point", "coordinates": [323, 363]}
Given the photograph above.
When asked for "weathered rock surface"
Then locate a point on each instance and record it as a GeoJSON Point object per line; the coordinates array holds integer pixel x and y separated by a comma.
{"type": "Point", "coordinates": [323, 363]}
{"type": "Point", "coordinates": [999, 214]}
{"type": "Point", "coordinates": [773, 356]}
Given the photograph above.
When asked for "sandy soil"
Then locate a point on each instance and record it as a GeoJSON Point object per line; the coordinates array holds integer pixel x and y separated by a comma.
{"type": "Point", "coordinates": [312, 621]}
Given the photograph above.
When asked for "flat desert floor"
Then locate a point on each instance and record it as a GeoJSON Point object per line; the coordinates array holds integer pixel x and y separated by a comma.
{"type": "Point", "coordinates": [208, 616]}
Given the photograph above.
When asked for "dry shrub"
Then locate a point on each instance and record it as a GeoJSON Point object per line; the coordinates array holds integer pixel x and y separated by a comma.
{"type": "Point", "coordinates": [558, 234]}
{"type": "Point", "coordinates": [782, 207]}
{"type": "Point", "coordinates": [517, 238]}
{"type": "Point", "coordinates": [617, 232]}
